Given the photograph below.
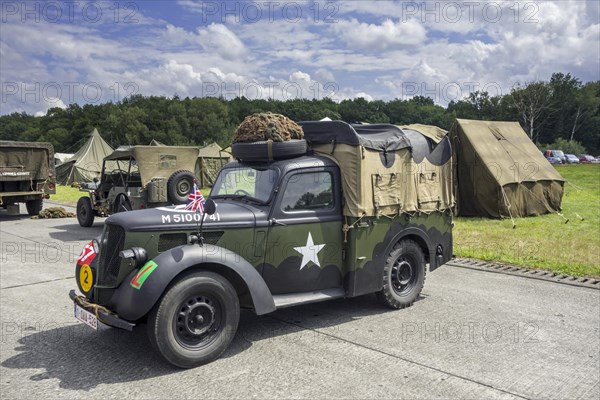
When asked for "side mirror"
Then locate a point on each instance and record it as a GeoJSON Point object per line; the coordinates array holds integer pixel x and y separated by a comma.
{"type": "Point", "coordinates": [95, 180]}
{"type": "Point", "coordinates": [210, 207]}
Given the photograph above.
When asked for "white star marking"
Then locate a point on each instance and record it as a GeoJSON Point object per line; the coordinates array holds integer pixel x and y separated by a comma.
{"type": "Point", "coordinates": [309, 252]}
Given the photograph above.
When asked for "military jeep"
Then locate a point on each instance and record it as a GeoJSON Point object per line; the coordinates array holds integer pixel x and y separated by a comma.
{"type": "Point", "coordinates": [351, 210]}
{"type": "Point", "coordinates": [138, 177]}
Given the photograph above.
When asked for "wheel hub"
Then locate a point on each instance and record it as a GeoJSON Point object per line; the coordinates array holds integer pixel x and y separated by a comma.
{"type": "Point", "coordinates": [196, 317]}
{"type": "Point", "coordinates": [402, 274]}
{"type": "Point", "coordinates": [184, 188]}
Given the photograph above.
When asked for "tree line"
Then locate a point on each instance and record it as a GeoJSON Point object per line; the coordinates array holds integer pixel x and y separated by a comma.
{"type": "Point", "coordinates": [559, 112]}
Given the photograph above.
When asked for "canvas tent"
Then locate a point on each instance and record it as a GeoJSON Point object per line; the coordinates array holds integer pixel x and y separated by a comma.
{"type": "Point", "coordinates": [210, 160]}
{"type": "Point", "coordinates": [155, 142]}
{"type": "Point", "coordinates": [500, 172]}
{"type": "Point", "coordinates": [385, 170]}
{"type": "Point", "coordinates": [86, 164]}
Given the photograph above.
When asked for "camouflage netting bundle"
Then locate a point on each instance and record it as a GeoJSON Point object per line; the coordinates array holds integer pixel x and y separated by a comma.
{"type": "Point", "coordinates": [267, 126]}
{"type": "Point", "coordinates": [54, 212]}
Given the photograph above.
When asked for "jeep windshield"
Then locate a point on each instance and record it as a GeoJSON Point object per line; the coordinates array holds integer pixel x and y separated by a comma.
{"type": "Point", "coordinates": [247, 183]}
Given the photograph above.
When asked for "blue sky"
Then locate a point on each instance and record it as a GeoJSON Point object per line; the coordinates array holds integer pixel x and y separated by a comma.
{"type": "Point", "coordinates": [56, 53]}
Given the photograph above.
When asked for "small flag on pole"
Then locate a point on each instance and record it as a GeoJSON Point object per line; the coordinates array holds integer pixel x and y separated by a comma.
{"type": "Point", "coordinates": [196, 200]}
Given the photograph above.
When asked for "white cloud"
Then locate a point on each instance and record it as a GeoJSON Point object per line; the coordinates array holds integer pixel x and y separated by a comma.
{"type": "Point", "coordinates": [217, 37]}
{"type": "Point", "coordinates": [48, 103]}
{"type": "Point", "coordinates": [373, 37]}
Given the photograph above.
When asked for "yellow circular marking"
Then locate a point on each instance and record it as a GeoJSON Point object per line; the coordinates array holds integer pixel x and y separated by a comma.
{"type": "Point", "coordinates": [86, 278]}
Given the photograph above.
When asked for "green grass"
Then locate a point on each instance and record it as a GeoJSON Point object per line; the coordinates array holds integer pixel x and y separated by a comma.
{"type": "Point", "coordinates": [67, 194]}
{"type": "Point", "coordinates": [546, 241]}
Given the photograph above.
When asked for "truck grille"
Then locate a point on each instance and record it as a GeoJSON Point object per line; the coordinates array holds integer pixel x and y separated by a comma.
{"type": "Point", "coordinates": [109, 262]}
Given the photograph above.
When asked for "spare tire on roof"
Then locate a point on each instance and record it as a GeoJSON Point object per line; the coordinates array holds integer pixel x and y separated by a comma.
{"type": "Point", "coordinates": [269, 150]}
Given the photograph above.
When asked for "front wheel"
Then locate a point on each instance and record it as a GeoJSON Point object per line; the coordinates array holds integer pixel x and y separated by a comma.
{"type": "Point", "coordinates": [195, 320]}
{"type": "Point", "coordinates": [85, 212]}
{"type": "Point", "coordinates": [403, 275]}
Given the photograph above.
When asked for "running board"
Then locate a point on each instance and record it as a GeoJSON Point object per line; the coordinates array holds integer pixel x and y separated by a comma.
{"type": "Point", "coordinates": [294, 299]}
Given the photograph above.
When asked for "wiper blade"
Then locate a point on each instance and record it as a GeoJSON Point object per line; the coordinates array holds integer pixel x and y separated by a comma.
{"type": "Point", "coordinates": [240, 197]}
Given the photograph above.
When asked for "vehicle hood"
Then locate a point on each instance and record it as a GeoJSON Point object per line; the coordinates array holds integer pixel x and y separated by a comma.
{"type": "Point", "coordinates": [229, 214]}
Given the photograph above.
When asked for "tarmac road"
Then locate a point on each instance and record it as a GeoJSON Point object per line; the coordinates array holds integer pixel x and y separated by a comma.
{"type": "Point", "coordinates": [473, 334]}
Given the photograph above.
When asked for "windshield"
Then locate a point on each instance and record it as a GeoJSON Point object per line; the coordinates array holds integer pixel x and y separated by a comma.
{"type": "Point", "coordinates": [245, 181]}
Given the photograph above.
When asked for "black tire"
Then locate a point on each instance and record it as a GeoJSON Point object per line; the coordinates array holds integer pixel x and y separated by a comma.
{"type": "Point", "coordinates": [403, 275]}
{"type": "Point", "coordinates": [121, 204]}
{"type": "Point", "coordinates": [259, 151]}
{"type": "Point", "coordinates": [195, 320]}
{"type": "Point", "coordinates": [179, 186]}
{"type": "Point", "coordinates": [85, 212]}
{"type": "Point", "coordinates": [34, 206]}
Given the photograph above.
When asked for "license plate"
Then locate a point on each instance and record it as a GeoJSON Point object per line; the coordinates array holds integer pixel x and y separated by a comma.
{"type": "Point", "coordinates": [86, 317]}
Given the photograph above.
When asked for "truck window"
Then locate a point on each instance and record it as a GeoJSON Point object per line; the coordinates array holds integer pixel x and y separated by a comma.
{"type": "Point", "coordinates": [257, 183]}
{"type": "Point", "coordinates": [308, 191]}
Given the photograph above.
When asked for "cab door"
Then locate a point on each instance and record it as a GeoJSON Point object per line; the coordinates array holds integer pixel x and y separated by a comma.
{"type": "Point", "coordinates": [304, 239]}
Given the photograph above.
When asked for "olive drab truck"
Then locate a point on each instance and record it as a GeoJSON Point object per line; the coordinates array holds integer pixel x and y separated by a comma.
{"type": "Point", "coordinates": [27, 174]}
{"type": "Point", "coordinates": [347, 211]}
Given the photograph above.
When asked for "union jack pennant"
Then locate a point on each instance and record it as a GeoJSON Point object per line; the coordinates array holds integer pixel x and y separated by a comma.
{"type": "Point", "coordinates": [196, 200]}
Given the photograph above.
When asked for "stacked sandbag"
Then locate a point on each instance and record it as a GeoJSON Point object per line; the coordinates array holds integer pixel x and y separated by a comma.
{"type": "Point", "coordinates": [54, 212]}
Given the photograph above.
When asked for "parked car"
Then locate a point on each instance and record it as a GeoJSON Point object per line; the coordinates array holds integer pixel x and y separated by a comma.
{"type": "Point", "coordinates": [556, 153]}
{"type": "Point", "coordinates": [587, 159]}
{"type": "Point", "coordinates": [554, 160]}
{"type": "Point", "coordinates": [572, 159]}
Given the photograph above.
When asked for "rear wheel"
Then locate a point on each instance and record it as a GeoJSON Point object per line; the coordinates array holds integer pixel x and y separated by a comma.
{"type": "Point", "coordinates": [195, 320]}
{"type": "Point", "coordinates": [34, 206]}
{"type": "Point", "coordinates": [85, 212]}
{"type": "Point", "coordinates": [403, 275]}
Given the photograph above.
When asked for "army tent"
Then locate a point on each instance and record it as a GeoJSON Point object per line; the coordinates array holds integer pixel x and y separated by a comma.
{"type": "Point", "coordinates": [210, 160]}
{"type": "Point", "coordinates": [86, 164]}
{"type": "Point", "coordinates": [500, 172]}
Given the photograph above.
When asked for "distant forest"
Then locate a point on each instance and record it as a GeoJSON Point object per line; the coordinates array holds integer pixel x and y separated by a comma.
{"type": "Point", "coordinates": [561, 112]}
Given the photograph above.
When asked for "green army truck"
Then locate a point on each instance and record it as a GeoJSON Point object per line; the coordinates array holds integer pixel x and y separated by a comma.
{"type": "Point", "coordinates": [348, 211]}
{"type": "Point", "coordinates": [26, 174]}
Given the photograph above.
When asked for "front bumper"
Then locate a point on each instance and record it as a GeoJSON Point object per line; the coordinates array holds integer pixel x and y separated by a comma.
{"type": "Point", "coordinates": [105, 317]}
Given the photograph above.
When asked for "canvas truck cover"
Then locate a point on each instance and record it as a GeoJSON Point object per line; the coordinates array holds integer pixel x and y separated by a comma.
{"type": "Point", "coordinates": [501, 173]}
{"type": "Point", "coordinates": [31, 161]}
{"type": "Point", "coordinates": [155, 161]}
{"type": "Point", "coordinates": [385, 170]}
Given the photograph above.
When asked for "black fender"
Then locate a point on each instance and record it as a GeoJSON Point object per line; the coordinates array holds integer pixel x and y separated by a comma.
{"type": "Point", "coordinates": [422, 239]}
{"type": "Point", "coordinates": [132, 303]}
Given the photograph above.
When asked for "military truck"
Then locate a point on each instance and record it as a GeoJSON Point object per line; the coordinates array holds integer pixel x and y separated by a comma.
{"type": "Point", "coordinates": [26, 174]}
{"type": "Point", "coordinates": [138, 177]}
{"type": "Point", "coordinates": [348, 211]}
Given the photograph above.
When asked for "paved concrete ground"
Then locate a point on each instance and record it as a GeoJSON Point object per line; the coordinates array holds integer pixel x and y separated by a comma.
{"type": "Point", "coordinates": [473, 334]}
